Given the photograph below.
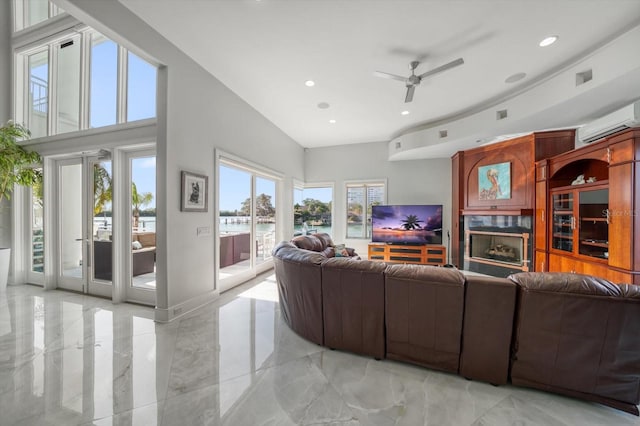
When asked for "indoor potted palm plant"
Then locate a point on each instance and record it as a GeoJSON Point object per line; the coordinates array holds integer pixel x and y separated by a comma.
{"type": "Point", "coordinates": [15, 169]}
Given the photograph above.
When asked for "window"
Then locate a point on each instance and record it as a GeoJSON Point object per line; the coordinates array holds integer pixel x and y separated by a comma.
{"type": "Point", "coordinates": [103, 91]}
{"type": "Point", "coordinates": [312, 206]}
{"type": "Point", "coordinates": [68, 86]}
{"type": "Point", "coordinates": [141, 89]}
{"type": "Point", "coordinates": [32, 12]}
{"type": "Point", "coordinates": [360, 198]}
{"type": "Point", "coordinates": [107, 86]}
{"type": "Point", "coordinates": [38, 93]}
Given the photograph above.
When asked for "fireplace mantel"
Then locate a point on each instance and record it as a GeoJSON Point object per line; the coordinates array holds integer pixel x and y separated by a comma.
{"type": "Point", "coordinates": [496, 212]}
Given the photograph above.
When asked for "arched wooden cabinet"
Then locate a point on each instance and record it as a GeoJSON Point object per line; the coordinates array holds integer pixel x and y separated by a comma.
{"type": "Point", "coordinates": [586, 220]}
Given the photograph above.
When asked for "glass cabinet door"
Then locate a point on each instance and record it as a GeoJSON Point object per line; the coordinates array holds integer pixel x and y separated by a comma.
{"type": "Point", "coordinates": [563, 222]}
{"type": "Point", "coordinates": [593, 210]}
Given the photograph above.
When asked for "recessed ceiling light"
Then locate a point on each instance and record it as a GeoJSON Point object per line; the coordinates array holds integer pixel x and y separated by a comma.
{"type": "Point", "coordinates": [309, 83]}
{"type": "Point", "coordinates": [548, 41]}
{"type": "Point", "coordinates": [515, 77]}
{"type": "Point", "coordinates": [323, 105]}
{"type": "Point", "coordinates": [405, 113]}
{"type": "Point", "coordinates": [332, 121]}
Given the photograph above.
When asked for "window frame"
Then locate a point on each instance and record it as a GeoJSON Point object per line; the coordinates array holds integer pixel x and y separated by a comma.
{"type": "Point", "coordinates": [21, 13]}
{"type": "Point", "coordinates": [364, 184]}
{"type": "Point", "coordinates": [52, 46]}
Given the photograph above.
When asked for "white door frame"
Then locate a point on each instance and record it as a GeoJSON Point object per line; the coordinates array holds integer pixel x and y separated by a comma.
{"type": "Point", "coordinates": [86, 283]}
{"type": "Point", "coordinates": [129, 292]}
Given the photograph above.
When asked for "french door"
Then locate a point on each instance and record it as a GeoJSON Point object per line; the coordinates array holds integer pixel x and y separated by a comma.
{"type": "Point", "coordinates": [84, 246]}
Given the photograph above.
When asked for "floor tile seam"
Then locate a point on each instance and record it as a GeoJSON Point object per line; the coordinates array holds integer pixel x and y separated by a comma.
{"type": "Point", "coordinates": [265, 369]}
{"type": "Point", "coordinates": [115, 414]}
{"type": "Point", "coordinates": [235, 377]}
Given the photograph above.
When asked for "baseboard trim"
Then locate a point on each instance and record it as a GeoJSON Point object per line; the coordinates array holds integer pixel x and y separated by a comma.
{"type": "Point", "coordinates": [164, 315]}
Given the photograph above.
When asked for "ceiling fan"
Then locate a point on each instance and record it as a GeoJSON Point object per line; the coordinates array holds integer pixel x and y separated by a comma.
{"type": "Point", "coordinates": [414, 80]}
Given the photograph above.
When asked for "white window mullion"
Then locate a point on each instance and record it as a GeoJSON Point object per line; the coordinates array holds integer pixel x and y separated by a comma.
{"type": "Point", "coordinates": [85, 78]}
{"type": "Point", "coordinates": [122, 85]}
{"type": "Point", "coordinates": [21, 85]}
{"type": "Point", "coordinates": [52, 127]}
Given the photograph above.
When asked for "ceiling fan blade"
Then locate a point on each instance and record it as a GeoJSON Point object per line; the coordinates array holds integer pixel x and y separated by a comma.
{"type": "Point", "coordinates": [410, 91]}
{"type": "Point", "coordinates": [389, 76]}
{"type": "Point", "coordinates": [441, 68]}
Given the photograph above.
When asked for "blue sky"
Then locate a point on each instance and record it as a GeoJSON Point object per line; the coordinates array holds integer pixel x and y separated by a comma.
{"type": "Point", "coordinates": [235, 187]}
{"type": "Point", "coordinates": [143, 173]}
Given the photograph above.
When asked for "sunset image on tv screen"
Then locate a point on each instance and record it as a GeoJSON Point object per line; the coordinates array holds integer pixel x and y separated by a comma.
{"type": "Point", "coordinates": [407, 224]}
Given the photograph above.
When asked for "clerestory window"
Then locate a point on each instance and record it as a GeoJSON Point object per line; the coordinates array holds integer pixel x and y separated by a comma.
{"type": "Point", "coordinates": [32, 12]}
{"type": "Point", "coordinates": [82, 81]}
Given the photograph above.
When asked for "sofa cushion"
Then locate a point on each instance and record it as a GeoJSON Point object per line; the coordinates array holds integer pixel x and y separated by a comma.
{"type": "Point", "coordinates": [325, 239]}
{"type": "Point", "coordinates": [308, 242]}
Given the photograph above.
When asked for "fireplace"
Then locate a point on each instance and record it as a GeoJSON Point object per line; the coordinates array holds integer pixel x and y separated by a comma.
{"type": "Point", "coordinates": [497, 245]}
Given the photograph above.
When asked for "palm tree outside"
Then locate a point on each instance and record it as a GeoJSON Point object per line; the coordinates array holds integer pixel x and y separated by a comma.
{"type": "Point", "coordinates": [138, 200]}
{"type": "Point", "coordinates": [102, 191]}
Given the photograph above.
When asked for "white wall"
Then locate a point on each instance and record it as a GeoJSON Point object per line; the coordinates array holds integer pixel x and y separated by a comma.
{"type": "Point", "coordinates": [196, 115]}
{"type": "Point", "coordinates": [408, 182]}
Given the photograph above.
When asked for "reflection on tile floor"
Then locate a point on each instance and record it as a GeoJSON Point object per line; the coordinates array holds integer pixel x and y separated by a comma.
{"type": "Point", "coordinates": [69, 359]}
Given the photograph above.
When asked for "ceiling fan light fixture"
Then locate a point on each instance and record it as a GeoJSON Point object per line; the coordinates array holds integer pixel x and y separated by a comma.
{"type": "Point", "coordinates": [548, 41]}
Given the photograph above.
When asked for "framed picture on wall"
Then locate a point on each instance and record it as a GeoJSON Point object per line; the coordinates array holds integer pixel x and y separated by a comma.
{"type": "Point", "coordinates": [193, 196]}
{"type": "Point", "coordinates": [494, 181]}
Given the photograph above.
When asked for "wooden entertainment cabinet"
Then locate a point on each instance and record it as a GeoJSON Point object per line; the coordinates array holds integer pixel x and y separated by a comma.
{"type": "Point", "coordinates": [591, 226]}
{"type": "Point", "coordinates": [400, 253]}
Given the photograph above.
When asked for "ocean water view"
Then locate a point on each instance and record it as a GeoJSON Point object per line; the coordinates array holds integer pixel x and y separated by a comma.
{"type": "Point", "coordinates": [233, 225]}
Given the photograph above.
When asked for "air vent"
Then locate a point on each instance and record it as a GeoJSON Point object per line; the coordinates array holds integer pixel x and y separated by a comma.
{"type": "Point", "coordinates": [398, 145]}
{"type": "Point", "coordinates": [66, 44]}
{"type": "Point", "coordinates": [501, 115]}
{"type": "Point", "coordinates": [443, 134]}
{"type": "Point", "coordinates": [584, 77]}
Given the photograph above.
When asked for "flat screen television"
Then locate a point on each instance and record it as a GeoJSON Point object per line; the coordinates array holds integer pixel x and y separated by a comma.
{"type": "Point", "coordinates": [407, 224]}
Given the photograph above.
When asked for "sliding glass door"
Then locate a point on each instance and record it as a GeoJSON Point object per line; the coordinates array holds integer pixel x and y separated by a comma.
{"type": "Point", "coordinates": [246, 222]}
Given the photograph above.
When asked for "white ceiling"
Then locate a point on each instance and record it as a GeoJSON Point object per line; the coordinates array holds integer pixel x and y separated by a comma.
{"type": "Point", "coordinates": [265, 50]}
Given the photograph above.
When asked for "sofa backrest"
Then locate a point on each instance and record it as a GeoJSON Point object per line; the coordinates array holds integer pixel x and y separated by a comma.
{"type": "Point", "coordinates": [561, 312]}
{"type": "Point", "coordinates": [489, 306]}
{"type": "Point", "coordinates": [424, 308]}
{"type": "Point", "coordinates": [298, 275]}
{"type": "Point", "coordinates": [353, 305]}
{"type": "Point", "coordinates": [147, 239]}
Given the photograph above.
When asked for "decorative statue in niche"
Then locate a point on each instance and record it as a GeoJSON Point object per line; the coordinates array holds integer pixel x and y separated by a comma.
{"type": "Point", "coordinates": [579, 180]}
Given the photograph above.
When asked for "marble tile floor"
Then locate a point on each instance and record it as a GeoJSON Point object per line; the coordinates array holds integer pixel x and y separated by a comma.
{"type": "Point", "coordinates": [69, 359]}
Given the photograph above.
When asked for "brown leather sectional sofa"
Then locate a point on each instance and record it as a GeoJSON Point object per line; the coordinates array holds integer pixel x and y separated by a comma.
{"type": "Point", "coordinates": [565, 333]}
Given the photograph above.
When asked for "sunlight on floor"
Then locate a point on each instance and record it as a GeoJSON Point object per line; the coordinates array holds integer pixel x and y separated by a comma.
{"type": "Point", "coordinates": [265, 290]}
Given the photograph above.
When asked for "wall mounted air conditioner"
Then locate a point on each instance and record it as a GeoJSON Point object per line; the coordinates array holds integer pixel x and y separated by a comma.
{"type": "Point", "coordinates": [621, 119]}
